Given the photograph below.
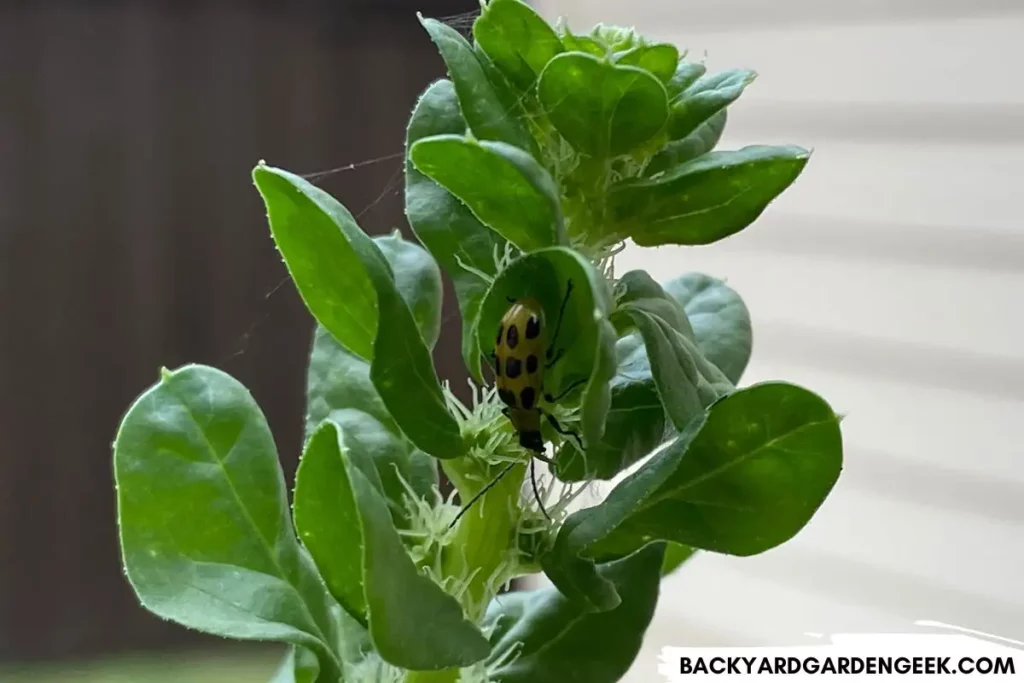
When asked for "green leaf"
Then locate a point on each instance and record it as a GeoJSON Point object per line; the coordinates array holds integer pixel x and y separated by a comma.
{"type": "Point", "coordinates": [687, 382]}
{"type": "Point", "coordinates": [720, 320]}
{"type": "Point", "coordinates": [345, 523]}
{"type": "Point", "coordinates": [701, 141]}
{"type": "Point", "coordinates": [585, 335]}
{"type": "Point", "coordinates": [401, 369]}
{"type": "Point", "coordinates": [338, 380]}
{"type": "Point", "coordinates": [317, 245]}
{"type": "Point", "coordinates": [635, 424]}
{"type": "Point", "coordinates": [704, 200]}
{"type": "Point", "coordinates": [636, 419]}
{"type": "Point", "coordinates": [580, 581]}
{"type": "Point", "coordinates": [659, 59]}
{"type": "Point", "coordinates": [583, 43]}
{"type": "Point", "coordinates": [686, 74]}
{"type": "Point", "coordinates": [446, 226]}
{"type": "Point", "coordinates": [328, 521]}
{"type": "Point", "coordinates": [742, 479]}
{"type": "Point", "coordinates": [639, 289]}
{"type": "Point", "coordinates": [339, 387]}
{"type": "Point", "coordinates": [717, 323]}
{"type": "Point", "coordinates": [707, 96]}
{"type": "Point", "coordinates": [298, 666]}
{"type": "Point", "coordinates": [418, 280]}
{"type": "Point", "coordinates": [480, 103]}
{"type": "Point", "coordinates": [675, 556]}
{"type": "Point", "coordinates": [517, 40]}
{"type": "Point", "coordinates": [512, 100]}
{"type": "Point", "coordinates": [503, 186]}
{"type": "Point", "coordinates": [557, 642]}
{"type": "Point", "coordinates": [203, 513]}
{"type": "Point", "coordinates": [602, 109]}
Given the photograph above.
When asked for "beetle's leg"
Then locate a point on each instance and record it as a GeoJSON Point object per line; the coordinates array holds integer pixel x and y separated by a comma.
{"type": "Point", "coordinates": [562, 430]}
{"type": "Point", "coordinates": [536, 494]}
{"type": "Point", "coordinates": [482, 492]}
{"type": "Point", "coordinates": [558, 323]}
{"type": "Point", "coordinates": [504, 411]}
{"type": "Point", "coordinates": [565, 392]}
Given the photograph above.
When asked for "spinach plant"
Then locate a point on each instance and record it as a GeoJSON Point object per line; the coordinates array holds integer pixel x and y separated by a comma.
{"type": "Point", "coordinates": [529, 167]}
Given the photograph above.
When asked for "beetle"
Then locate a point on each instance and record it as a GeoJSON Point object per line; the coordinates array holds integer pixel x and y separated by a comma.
{"type": "Point", "coordinates": [521, 355]}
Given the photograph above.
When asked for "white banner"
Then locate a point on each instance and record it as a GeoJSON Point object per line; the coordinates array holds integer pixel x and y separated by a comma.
{"type": "Point", "coordinates": [968, 655]}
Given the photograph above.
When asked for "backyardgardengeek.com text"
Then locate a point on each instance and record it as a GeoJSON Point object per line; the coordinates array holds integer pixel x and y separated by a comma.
{"type": "Point", "coordinates": [855, 665]}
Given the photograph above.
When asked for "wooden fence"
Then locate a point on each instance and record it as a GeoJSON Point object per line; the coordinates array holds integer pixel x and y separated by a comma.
{"type": "Point", "coordinates": [131, 237]}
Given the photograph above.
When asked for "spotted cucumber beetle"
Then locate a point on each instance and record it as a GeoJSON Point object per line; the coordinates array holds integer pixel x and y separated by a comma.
{"type": "Point", "coordinates": [521, 355]}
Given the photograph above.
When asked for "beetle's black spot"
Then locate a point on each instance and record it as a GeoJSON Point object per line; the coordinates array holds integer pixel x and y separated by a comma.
{"type": "Point", "coordinates": [501, 332]}
{"type": "Point", "coordinates": [508, 397]}
{"type": "Point", "coordinates": [532, 327]}
{"type": "Point", "coordinates": [527, 397]}
{"type": "Point", "coordinates": [531, 364]}
{"type": "Point", "coordinates": [497, 367]}
{"type": "Point", "coordinates": [513, 367]}
{"type": "Point", "coordinates": [512, 336]}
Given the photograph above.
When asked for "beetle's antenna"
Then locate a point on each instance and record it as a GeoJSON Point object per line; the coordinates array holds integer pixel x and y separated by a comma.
{"type": "Point", "coordinates": [536, 494]}
{"type": "Point", "coordinates": [565, 392]}
{"type": "Point", "coordinates": [561, 314]}
{"type": "Point", "coordinates": [482, 492]}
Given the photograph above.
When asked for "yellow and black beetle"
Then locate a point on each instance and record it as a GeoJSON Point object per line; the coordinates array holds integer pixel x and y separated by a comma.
{"type": "Point", "coordinates": [521, 355]}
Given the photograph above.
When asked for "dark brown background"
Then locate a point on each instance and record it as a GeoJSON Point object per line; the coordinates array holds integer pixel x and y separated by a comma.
{"type": "Point", "coordinates": [131, 237]}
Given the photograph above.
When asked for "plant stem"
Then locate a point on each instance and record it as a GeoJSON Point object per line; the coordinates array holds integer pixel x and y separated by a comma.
{"type": "Point", "coordinates": [485, 537]}
{"type": "Point", "coordinates": [483, 541]}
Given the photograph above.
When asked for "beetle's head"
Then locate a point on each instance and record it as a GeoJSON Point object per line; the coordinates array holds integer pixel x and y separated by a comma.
{"type": "Point", "coordinates": [531, 440]}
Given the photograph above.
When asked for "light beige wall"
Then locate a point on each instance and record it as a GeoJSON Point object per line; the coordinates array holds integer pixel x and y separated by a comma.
{"type": "Point", "coordinates": [890, 279]}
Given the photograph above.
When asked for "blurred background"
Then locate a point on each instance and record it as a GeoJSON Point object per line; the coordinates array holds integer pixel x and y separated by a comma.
{"type": "Point", "coordinates": [889, 279]}
{"type": "Point", "coordinates": [132, 237]}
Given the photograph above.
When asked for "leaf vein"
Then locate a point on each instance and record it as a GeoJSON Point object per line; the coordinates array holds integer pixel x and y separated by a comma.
{"type": "Point", "coordinates": [732, 463]}
{"type": "Point", "coordinates": [264, 542]}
